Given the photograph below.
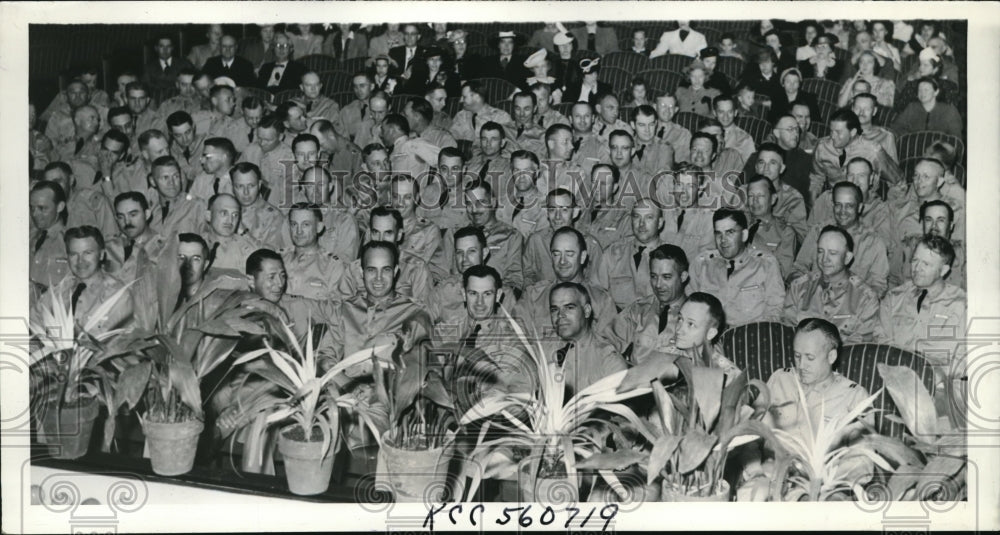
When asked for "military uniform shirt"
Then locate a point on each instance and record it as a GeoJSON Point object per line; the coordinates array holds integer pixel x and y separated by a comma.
{"type": "Point", "coordinates": [462, 127]}
{"type": "Point", "coordinates": [358, 321]}
{"type": "Point", "coordinates": [875, 215]}
{"type": "Point", "coordinates": [589, 359]}
{"type": "Point", "coordinates": [340, 236]}
{"type": "Point", "coordinates": [696, 233]}
{"type": "Point", "coordinates": [871, 259]}
{"type": "Point", "coordinates": [87, 206]}
{"type": "Point", "coordinates": [827, 169]}
{"type": "Point", "coordinates": [262, 222]}
{"type": "Point", "coordinates": [530, 218]}
{"type": "Point", "coordinates": [638, 325]}
{"type": "Point", "coordinates": [777, 238]}
{"type": "Point", "coordinates": [740, 141]}
{"type": "Point", "coordinates": [937, 331]}
{"type": "Point", "coordinates": [49, 264]}
{"type": "Point", "coordinates": [831, 398]}
{"type": "Point", "coordinates": [186, 213]}
{"type": "Point", "coordinates": [98, 290]}
{"type": "Point", "coordinates": [314, 273]}
{"type": "Point", "coordinates": [754, 292]}
{"type": "Point", "coordinates": [439, 137]}
{"type": "Point", "coordinates": [532, 309]}
{"type": "Point", "coordinates": [901, 271]}
{"type": "Point", "coordinates": [618, 273]}
{"type": "Point", "coordinates": [413, 156]}
{"type": "Point", "coordinates": [678, 137]}
{"type": "Point", "coordinates": [537, 258]}
{"type": "Point", "coordinates": [849, 303]}
{"type": "Point", "coordinates": [233, 250]}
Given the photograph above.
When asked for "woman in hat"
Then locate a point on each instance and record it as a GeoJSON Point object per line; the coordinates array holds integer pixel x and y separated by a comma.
{"type": "Point", "coordinates": [884, 90]}
{"type": "Point", "coordinates": [696, 98]}
{"type": "Point", "coordinates": [589, 88]}
{"type": "Point", "coordinates": [464, 64]}
{"type": "Point", "coordinates": [435, 70]}
{"type": "Point", "coordinates": [823, 63]}
{"type": "Point", "coordinates": [762, 74]}
{"type": "Point", "coordinates": [541, 70]}
{"type": "Point", "coordinates": [808, 29]}
{"type": "Point", "coordinates": [564, 67]}
{"type": "Point", "coordinates": [791, 82]}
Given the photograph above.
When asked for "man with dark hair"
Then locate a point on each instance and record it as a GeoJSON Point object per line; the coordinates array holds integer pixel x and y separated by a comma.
{"type": "Point", "coordinates": [312, 270]}
{"type": "Point", "coordinates": [417, 236]}
{"type": "Point", "coordinates": [651, 155]}
{"type": "Point", "coordinates": [368, 130]}
{"type": "Point", "coordinates": [766, 231]}
{"type": "Point", "coordinates": [523, 203]}
{"type": "Point", "coordinates": [413, 156]}
{"type": "Point", "coordinates": [152, 144]}
{"type": "Point", "coordinates": [605, 218]}
{"type": "Point", "coordinates": [228, 64]}
{"type": "Point", "coordinates": [581, 355]}
{"type": "Point", "coordinates": [87, 286]}
{"type": "Point", "coordinates": [876, 211]}
{"type": "Point", "coordinates": [546, 115]}
{"type": "Point", "coordinates": [937, 219]}
{"type": "Point", "coordinates": [491, 156]}
{"type": "Point", "coordinates": [446, 301]}
{"type": "Point", "coordinates": [786, 134]}
{"type": "Point", "coordinates": [724, 110]}
{"type": "Point", "coordinates": [317, 105]}
{"type": "Point", "coordinates": [131, 252]}
{"type": "Point", "coordinates": [139, 101]}
{"type": "Point", "coordinates": [271, 154]}
{"type": "Point", "coordinates": [747, 281]}
{"type": "Point", "coordinates": [871, 257]}
{"type": "Point", "coordinates": [845, 142]}
{"type": "Point", "coordinates": [622, 153]}
{"type": "Point", "coordinates": [644, 327]}
{"type": "Point", "coordinates": [624, 267]}
{"type": "Point", "coordinates": [832, 291]}
{"type": "Point", "coordinates": [702, 320]}
{"type": "Point", "coordinates": [229, 248]}
{"type": "Point", "coordinates": [864, 105]}
{"type": "Point", "coordinates": [47, 205]}
{"type": "Point", "coordinates": [220, 121]}
{"type": "Point", "coordinates": [336, 152]}
{"type": "Point", "coordinates": [173, 210]}
{"type": "Point", "coordinates": [60, 127]}
{"type": "Point", "coordinates": [186, 143]}
{"type": "Point", "coordinates": [568, 256]}
{"type": "Point", "coordinates": [437, 96]}
{"type": "Point", "coordinates": [725, 163]}
{"type": "Point", "coordinates": [562, 210]}
{"type": "Point", "coordinates": [85, 205]}
{"type": "Point", "coordinates": [530, 134]}
{"type": "Point", "coordinates": [588, 149]}
{"type": "Point", "coordinates": [187, 98]}
{"type": "Point", "coordinates": [259, 219]}
{"type": "Point", "coordinates": [443, 195]}
{"type": "Point", "coordinates": [120, 119]}
{"type": "Point", "coordinates": [115, 167]}
{"type": "Point", "coordinates": [318, 186]}
{"type": "Point", "coordinates": [478, 322]}
{"type": "Point", "coordinates": [217, 157]}
{"type": "Point", "coordinates": [414, 279]}
{"type": "Point", "coordinates": [476, 112]}
{"type": "Point", "coordinates": [355, 112]}
{"type": "Point", "coordinates": [790, 206]}
{"type": "Point", "coordinates": [420, 116]}
{"type": "Point", "coordinates": [669, 132]}
{"type": "Point", "coordinates": [161, 73]}
{"type": "Point", "coordinates": [558, 169]}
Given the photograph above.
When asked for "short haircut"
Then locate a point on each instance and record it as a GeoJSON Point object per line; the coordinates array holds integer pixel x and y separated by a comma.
{"type": "Point", "coordinates": [422, 108]}
{"type": "Point", "coordinates": [382, 211]}
{"type": "Point", "coordinates": [191, 237]}
{"type": "Point", "coordinates": [616, 173]}
{"type": "Point", "coordinates": [150, 135]}
{"type": "Point", "coordinates": [579, 288]}
{"type": "Point", "coordinates": [736, 215]}
{"type": "Point", "coordinates": [58, 193]}
{"type": "Point", "coordinates": [136, 196]}
{"type": "Point", "coordinates": [245, 168]}
{"type": "Point", "coordinates": [556, 128]}
{"type": "Point", "coordinates": [868, 96]}
{"type": "Point", "coordinates": [165, 161]}
{"type": "Point", "coordinates": [481, 271]}
{"type": "Point", "coordinates": [861, 159]}
{"type": "Point", "coordinates": [522, 154]}
{"type": "Point", "coordinates": [400, 122]}
{"type": "Point", "coordinates": [304, 138]}
{"type": "Point", "coordinates": [828, 329]}
{"type": "Point", "coordinates": [450, 152]}
{"type": "Point", "coordinates": [255, 262]}
{"type": "Point", "coordinates": [475, 232]}
{"type": "Point", "coordinates": [560, 192]}
{"type": "Point", "coordinates": [83, 232]}
{"type": "Point", "coordinates": [251, 103]}
{"type": "Point", "coordinates": [943, 151]}
{"type": "Point", "coordinates": [843, 184]}
{"type": "Point", "coordinates": [383, 245]}
{"type": "Point", "coordinates": [848, 117]}
{"type": "Point", "coordinates": [217, 196]}
{"type": "Point", "coordinates": [404, 177]}
{"type": "Point", "coordinates": [324, 126]}
{"type": "Point", "coordinates": [119, 110]}
{"type": "Point", "coordinates": [561, 231]}
{"type": "Point", "coordinates": [621, 133]}
{"type": "Point", "coordinates": [931, 204]}
{"type": "Point", "coordinates": [527, 94]}
{"type": "Point", "coordinates": [493, 126]}
{"type": "Point", "coordinates": [939, 245]}
{"type": "Point", "coordinates": [371, 148]}
{"type": "Point", "coordinates": [136, 86]}
{"type": "Point", "coordinates": [842, 232]}
{"type": "Point", "coordinates": [761, 178]}
{"type": "Point", "coordinates": [178, 118]}
{"type": "Point", "coordinates": [216, 89]}
{"type": "Point", "coordinates": [480, 184]}
{"type": "Point", "coordinates": [723, 98]}
{"type": "Point", "coordinates": [705, 135]}
{"type": "Point", "coordinates": [928, 80]}
{"type": "Point", "coordinates": [601, 97]}
{"type": "Point", "coordinates": [62, 166]}
{"type": "Point", "coordinates": [270, 120]}
{"type": "Point", "coordinates": [310, 207]}
{"type": "Point", "coordinates": [223, 144]}
{"type": "Point", "coordinates": [715, 311]}
{"type": "Point", "coordinates": [476, 87]}
{"type": "Point", "coordinates": [643, 109]}
{"type": "Point", "coordinates": [932, 160]}
{"type": "Point", "coordinates": [669, 251]}
{"type": "Point", "coordinates": [771, 147]}
{"type": "Point", "coordinates": [117, 136]}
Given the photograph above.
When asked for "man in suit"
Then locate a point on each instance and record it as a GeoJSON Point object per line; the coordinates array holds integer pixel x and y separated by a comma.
{"type": "Point", "coordinates": [683, 40]}
{"type": "Point", "coordinates": [259, 51]}
{"type": "Point", "coordinates": [506, 65]}
{"type": "Point", "coordinates": [284, 72]}
{"type": "Point", "coordinates": [345, 43]}
{"type": "Point", "coordinates": [161, 73]}
{"type": "Point", "coordinates": [228, 64]}
{"type": "Point", "coordinates": [594, 36]}
{"type": "Point", "coordinates": [409, 55]}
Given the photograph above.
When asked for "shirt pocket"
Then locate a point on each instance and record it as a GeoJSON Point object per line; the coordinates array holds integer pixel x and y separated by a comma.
{"type": "Point", "coordinates": [750, 297]}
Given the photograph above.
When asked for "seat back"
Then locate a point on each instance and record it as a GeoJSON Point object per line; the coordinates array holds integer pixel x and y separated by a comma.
{"type": "Point", "coordinates": [914, 144]}
{"type": "Point", "coordinates": [689, 120]}
{"type": "Point", "coordinates": [662, 81]}
{"type": "Point", "coordinates": [760, 348]}
{"type": "Point", "coordinates": [618, 79]}
{"type": "Point", "coordinates": [757, 128]}
{"type": "Point", "coordinates": [629, 61]}
{"type": "Point", "coordinates": [319, 62]}
{"type": "Point", "coordinates": [335, 81]}
{"type": "Point", "coordinates": [823, 89]}
{"type": "Point", "coordinates": [671, 62]}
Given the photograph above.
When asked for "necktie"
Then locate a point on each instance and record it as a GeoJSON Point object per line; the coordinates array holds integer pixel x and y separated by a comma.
{"type": "Point", "coordinates": [474, 115]}
{"type": "Point", "coordinates": [660, 133]}
{"type": "Point", "coordinates": [226, 65]}
{"type": "Point", "coordinates": [79, 146]}
{"type": "Point", "coordinates": [518, 206]}
{"type": "Point", "coordinates": [520, 130]}
{"type": "Point", "coordinates": [213, 252]}
{"type": "Point", "coordinates": [215, 185]}
{"type": "Point", "coordinates": [664, 316]}
{"type": "Point", "coordinates": [576, 145]}
{"type": "Point", "coordinates": [591, 39]}
{"type": "Point", "coordinates": [640, 152]}
{"type": "Point", "coordinates": [470, 341]}
{"type": "Point", "coordinates": [80, 287]}
{"type": "Point", "coordinates": [561, 353]}
{"type": "Point", "coordinates": [98, 177]}
{"type": "Point", "coordinates": [250, 136]}
{"type": "Point", "coordinates": [594, 212]}
{"type": "Point", "coordinates": [680, 220]}
{"type": "Point", "coordinates": [504, 61]}
{"type": "Point", "coordinates": [165, 209]}
{"type": "Point", "coordinates": [541, 122]}
{"type": "Point", "coordinates": [731, 268]}
{"type": "Point", "coordinates": [187, 153]}
{"type": "Point", "coordinates": [753, 231]}
{"type": "Point", "coordinates": [129, 246]}
{"type": "Point", "coordinates": [920, 299]}
{"type": "Point", "coordinates": [309, 107]}
{"type": "Point", "coordinates": [364, 109]}
{"type": "Point", "coordinates": [637, 257]}
{"type": "Point", "coordinates": [684, 34]}
{"type": "Point", "coordinates": [484, 169]}
{"type": "Point", "coordinates": [42, 234]}
{"type": "Point", "coordinates": [164, 65]}
{"type": "Point", "coordinates": [409, 58]}
{"type": "Point", "coordinates": [603, 128]}
{"type": "Point", "coordinates": [842, 158]}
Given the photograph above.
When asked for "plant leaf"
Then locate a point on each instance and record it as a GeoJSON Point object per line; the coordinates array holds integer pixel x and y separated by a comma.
{"type": "Point", "coordinates": [132, 384]}
{"type": "Point", "coordinates": [695, 447]}
{"type": "Point", "coordinates": [912, 400]}
{"type": "Point", "coordinates": [647, 370]}
{"type": "Point", "coordinates": [663, 449]}
{"type": "Point", "coordinates": [706, 384]}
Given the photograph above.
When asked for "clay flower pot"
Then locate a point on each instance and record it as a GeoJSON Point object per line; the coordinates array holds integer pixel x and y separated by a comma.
{"type": "Point", "coordinates": [67, 431]}
{"type": "Point", "coordinates": [172, 446]}
{"type": "Point", "coordinates": [414, 475]}
{"type": "Point", "coordinates": [307, 469]}
{"type": "Point", "coordinates": [672, 494]}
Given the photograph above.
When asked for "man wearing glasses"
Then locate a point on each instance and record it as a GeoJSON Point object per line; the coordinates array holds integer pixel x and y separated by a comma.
{"type": "Point", "coordinates": [284, 72]}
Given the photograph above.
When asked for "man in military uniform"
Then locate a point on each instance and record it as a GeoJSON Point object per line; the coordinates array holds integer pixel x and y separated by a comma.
{"type": "Point", "coordinates": [524, 204]}
{"type": "Point", "coordinates": [687, 213]}
{"type": "Point", "coordinates": [446, 301]}
{"type": "Point", "coordinates": [790, 206]}
{"type": "Point", "coordinates": [649, 324]}
{"type": "Point", "coordinates": [621, 149]}
{"type": "Point", "coordinates": [505, 244]}
{"type": "Point", "coordinates": [273, 157]}
{"type": "Point", "coordinates": [530, 134]}
{"type": "Point", "coordinates": [651, 156]}
{"type": "Point", "coordinates": [258, 218]}
{"type": "Point", "coordinates": [669, 132]}
{"type": "Point", "coordinates": [845, 142]}
{"type": "Point", "coordinates": [747, 281]}
{"type": "Point", "coordinates": [491, 158]}
{"type": "Point", "coordinates": [229, 248]}
{"type": "Point", "coordinates": [61, 128]}
{"type": "Point", "coordinates": [116, 168]}
{"type": "Point", "coordinates": [414, 278]}
{"type": "Point", "coordinates": [120, 118]}
{"type": "Point", "coordinates": [871, 259]}
{"type": "Point", "coordinates": [173, 210]}
{"type": "Point", "coordinates": [354, 113]}
{"type": "Point", "coordinates": [798, 163]}
{"type": "Point", "coordinates": [186, 144]}
{"type": "Point", "coordinates": [544, 114]}
{"type": "Point", "coordinates": [562, 210]}
{"type": "Point", "coordinates": [220, 120]}
{"type": "Point", "coordinates": [605, 218]}
{"type": "Point", "coordinates": [624, 268]}
{"type": "Point", "coordinates": [368, 127]}
{"type": "Point", "coordinates": [84, 141]}
{"type": "Point", "coordinates": [863, 105]}
{"type": "Point", "coordinates": [420, 116]}
{"type": "Point", "coordinates": [476, 112]}
{"type": "Point", "coordinates": [341, 237]}
{"type": "Point", "coordinates": [419, 236]}
{"type": "Point", "coordinates": [938, 219]}
{"type": "Point", "coordinates": [86, 205]}
{"type": "Point", "coordinates": [768, 232]}
{"type": "Point", "coordinates": [217, 157]}
{"type": "Point", "coordinates": [187, 98]}
{"type": "Point", "coordinates": [413, 156]}
{"type": "Point", "coordinates": [437, 96]}
{"type": "Point", "coordinates": [442, 198]}
{"type": "Point", "coordinates": [588, 148]}
{"type": "Point", "coordinates": [581, 357]}
{"type": "Point", "coordinates": [87, 286]}
{"type": "Point", "coordinates": [316, 105]}
{"type": "Point", "coordinates": [905, 200]}
{"type": "Point", "coordinates": [143, 116]}
{"type": "Point", "coordinates": [833, 292]}
{"type": "Point", "coordinates": [803, 116]}
{"type": "Point", "coordinates": [123, 250]}
{"type": "Point", "coordinates": [47, 204]}
{"type": "Point", "coordinates": [559, 170]}
{"type": "Point", "coordinates": [725, 162]}
{"type": "Point", "coordinates": [607, 117]}
{"type": "Point", "coordinates": [568, 257]}
{"type": "Point", "coordinates": [312, 271]}
{"type": "Point", "coordinates": [336, 152]}
{"type": "Point", "coordinates": [723, 108]}
{"type": "Point", "coordinates": [876, 211]}
{"type": "Point", "coordinates": [702, 319]}
{"type": "Point", "coordinates": [152, 145]}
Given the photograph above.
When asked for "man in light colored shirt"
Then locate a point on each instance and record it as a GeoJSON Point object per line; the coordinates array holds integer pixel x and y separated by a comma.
{"type": "Point", "coordinates": [413, 156]}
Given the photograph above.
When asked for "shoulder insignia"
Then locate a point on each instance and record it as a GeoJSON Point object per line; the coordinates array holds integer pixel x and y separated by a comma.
{"type": "Point", "coordinates": [759, 254]}
{"type": "Point", "coordinates": [853, 385]}
{"type": "Point", "coordinates": [789, 370]}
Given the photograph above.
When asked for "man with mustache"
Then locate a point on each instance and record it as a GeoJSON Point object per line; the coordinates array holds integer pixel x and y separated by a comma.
{"type": "Point", "coordinates": [123, 251]}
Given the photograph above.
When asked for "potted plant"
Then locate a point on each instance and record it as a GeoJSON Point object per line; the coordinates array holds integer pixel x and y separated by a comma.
{"type": "Point", "coordinates": [304, 402]}
{"type": "Point", "coordinates": [554, 430]}
{"type": "Point", "coordinates": [71, 375]}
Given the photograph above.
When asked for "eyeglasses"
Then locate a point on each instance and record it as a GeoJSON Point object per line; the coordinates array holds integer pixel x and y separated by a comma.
{"type": "Point", "coordinates": [282, 45]}
{"type": "Point", "coordinates": [411, 33]}
{"type": "Point", "coordinates": [459, 41]}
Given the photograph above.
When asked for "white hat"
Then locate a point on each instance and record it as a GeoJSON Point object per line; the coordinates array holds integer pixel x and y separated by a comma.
{"type": "Point", "coordinates": [562, 39]}
{"type": "Point", "coordinates": [929, 53]}
{"type": "Point", "coordinates": [505, 35]}
{"type": "Point", "coordinates": [587, 65]}
{"type": "Point", "coordinates": [225, 80]}
{"type": "Point", "coordinates": [535, 59]}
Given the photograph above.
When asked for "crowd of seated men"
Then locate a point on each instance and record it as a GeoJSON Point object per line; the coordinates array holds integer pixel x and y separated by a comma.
{"type": "Point", "coordinates": [603, 226]}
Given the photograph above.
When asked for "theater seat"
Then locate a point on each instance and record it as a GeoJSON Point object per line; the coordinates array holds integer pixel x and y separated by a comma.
{"type": "Point", "coordinates": [760, 348]}
{"type": "Point", "coordinates": [629, 61]}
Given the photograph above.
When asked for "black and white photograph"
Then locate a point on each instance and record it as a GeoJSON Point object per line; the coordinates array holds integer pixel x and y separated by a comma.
{"type": "Point", "coordinates": [572, 266]}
